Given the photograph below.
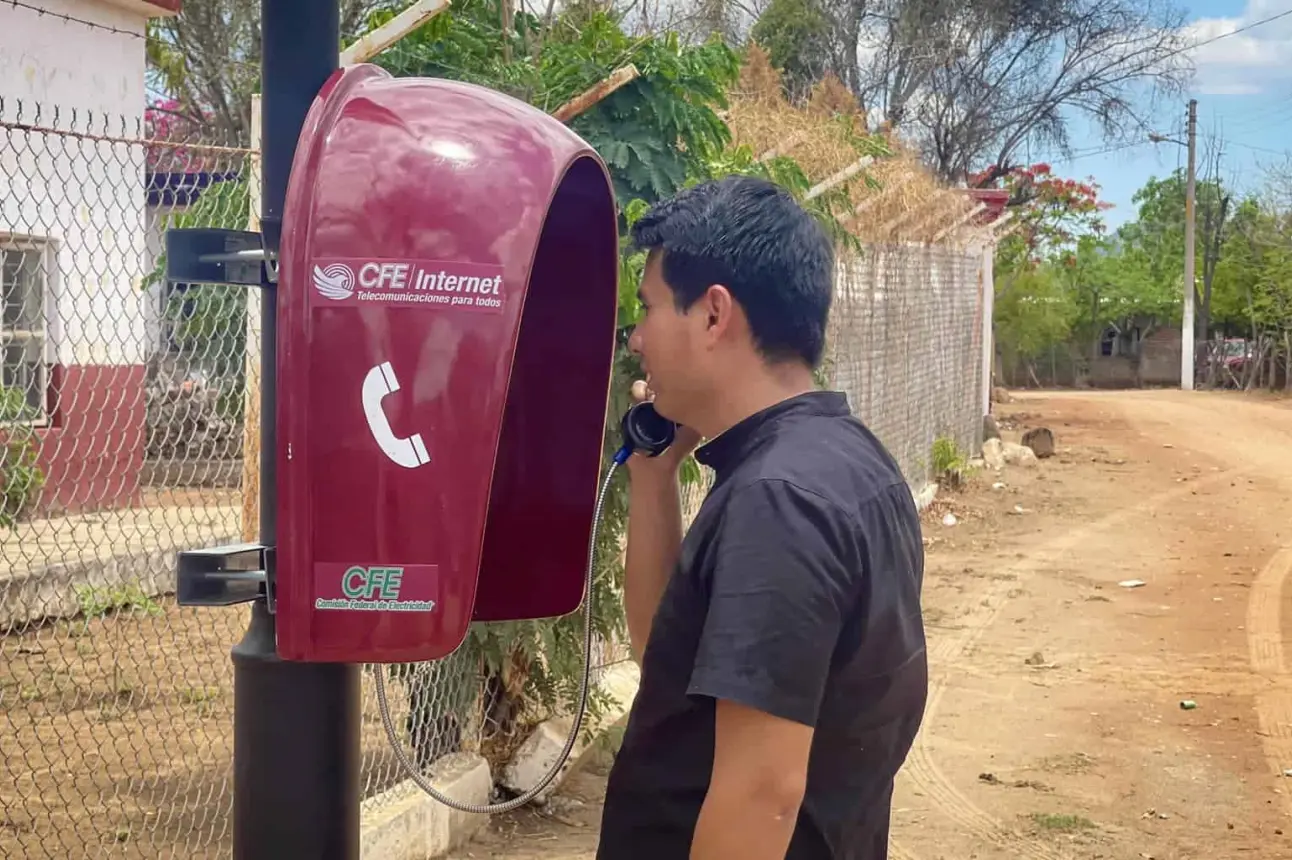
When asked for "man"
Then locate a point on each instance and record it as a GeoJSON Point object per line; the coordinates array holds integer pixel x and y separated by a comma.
{"type": "Point", "coordinates": [781, 643]}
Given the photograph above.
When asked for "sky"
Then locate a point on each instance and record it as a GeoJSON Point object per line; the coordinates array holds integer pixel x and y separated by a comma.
{"type": "Point", "coordinates": [1243, 84]}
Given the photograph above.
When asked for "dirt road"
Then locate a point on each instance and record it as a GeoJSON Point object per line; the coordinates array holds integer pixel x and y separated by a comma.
{"type": "Point", "coordinates": [1055, 727]}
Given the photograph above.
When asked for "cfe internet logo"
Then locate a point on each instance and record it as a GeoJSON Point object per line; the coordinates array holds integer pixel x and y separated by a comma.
{"type": "Point", "coordinates": [409, 283]}
{"type": "Point", "coordinates": [373, 589]}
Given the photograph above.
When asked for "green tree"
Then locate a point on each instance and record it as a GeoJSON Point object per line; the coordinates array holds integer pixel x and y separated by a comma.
{"type": "Point", "coordinates": [1034, 312]}
{"type": "Point", "coordinates": [205, 62]}
{"type": "Point", "coordinates": [1158, 235]}
{"type": "Point", "coordinates": [653, 133]}
{"type": "Point", "coordinates": [1111, 286]}
{"type": "Point", "coordinates": [1044, 264]}
{"type": "Point", "coordinates": [1253, 234]}
{"type": "Point", "coordinates": [796, 35]}
{"type": "Point", "coordinates": [1254, 287]}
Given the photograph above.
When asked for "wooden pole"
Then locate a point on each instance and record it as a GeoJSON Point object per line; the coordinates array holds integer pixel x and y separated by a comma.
{"type": "Point", "coordinates": [585, 100]}
{"type": "Point", "coordinates": [251, 366]}
{"type": "Point", "coordinates": [371, 44]}
{"type": "Point", "coordinates": [959, 222]}
{"type": "Point", "coordinates": [779, 150]}
{"type": "Point", "coordinates": [840, 177]}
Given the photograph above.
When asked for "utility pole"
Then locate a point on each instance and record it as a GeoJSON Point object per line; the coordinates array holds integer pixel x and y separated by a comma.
{"type": "Point", "coordinates": [296, 752]}
{"type": "Point", "coordinates": [1187, 362]}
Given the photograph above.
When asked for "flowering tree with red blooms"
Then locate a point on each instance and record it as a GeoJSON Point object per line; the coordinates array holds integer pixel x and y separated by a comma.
{"type": "Point", "coordinates": [167, 128]}
{"type": "Point", "coordinates": [1051, 214]}
{"type": "Point", "coordinates": [1037, 261]}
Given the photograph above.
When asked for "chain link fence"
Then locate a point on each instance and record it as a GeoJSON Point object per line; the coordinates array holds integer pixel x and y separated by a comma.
{"type": "Point", "coordinates": [122, 436]}
{"type": "Point", "coordinates": [905, 345]}
{"type": "Point", "coordinates": [123, 414]}
{"type": "Point", "coordinates": [123, 432]}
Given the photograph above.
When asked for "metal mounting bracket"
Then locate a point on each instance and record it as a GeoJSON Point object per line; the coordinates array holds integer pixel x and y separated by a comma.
{"type": "Point", "coordinates": [207, 255]}
{"type": "Point", "coordinates": [225, 575]}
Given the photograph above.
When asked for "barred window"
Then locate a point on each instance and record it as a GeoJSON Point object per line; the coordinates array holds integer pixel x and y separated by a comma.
{"type": "Point", "coordinates": [24, 372]}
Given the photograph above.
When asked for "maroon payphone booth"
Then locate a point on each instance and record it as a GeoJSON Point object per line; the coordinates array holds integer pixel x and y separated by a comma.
{"type": "Point", "coordinates": [447, 282]}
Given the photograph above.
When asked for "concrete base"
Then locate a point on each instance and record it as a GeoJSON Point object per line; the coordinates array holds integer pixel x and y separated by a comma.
{"type": "Point", "coordinates": [65, 590]}
{"type": "Point", "coordinates": [59, 567]}
{"type": "Point", "coordinates": [405, 823]}
{"type": "Point", "coordinates": [539, 752]}
{"type": "Point", "coordinates": [925, 496]}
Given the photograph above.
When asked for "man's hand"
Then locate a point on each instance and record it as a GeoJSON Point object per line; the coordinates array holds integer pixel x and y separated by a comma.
{"type": "Point", "coordinates": [759, 777]}
{"type": "Point", "coordinates": [654, 530]}
{"type": "Point", "coordinates": [667, 463]}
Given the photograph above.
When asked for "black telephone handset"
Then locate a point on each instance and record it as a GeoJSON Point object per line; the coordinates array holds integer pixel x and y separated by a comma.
{"type": "Point", "coordinates": [645, 430]}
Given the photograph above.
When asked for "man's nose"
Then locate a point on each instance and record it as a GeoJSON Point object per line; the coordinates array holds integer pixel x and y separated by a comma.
{"type": "Point", "coordinates": [635, 342]}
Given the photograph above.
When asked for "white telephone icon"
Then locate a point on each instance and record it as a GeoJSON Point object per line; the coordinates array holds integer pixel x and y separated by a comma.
{"type": "Point", "coordinates": [408, 452]}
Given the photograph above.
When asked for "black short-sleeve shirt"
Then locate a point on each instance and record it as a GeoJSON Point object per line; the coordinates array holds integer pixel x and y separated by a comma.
{"type": "Point", "coordinates": [797, 593]}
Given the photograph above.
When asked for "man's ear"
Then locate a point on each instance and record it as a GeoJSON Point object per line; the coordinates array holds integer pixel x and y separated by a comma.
{"type": "Point", "coordinates": [719, 310]}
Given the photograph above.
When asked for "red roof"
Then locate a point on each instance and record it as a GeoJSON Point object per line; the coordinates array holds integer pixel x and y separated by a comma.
{"type": "Point", "coordinates": [994, 199]}
{"type": "Point", "coordinates": [151, 8]}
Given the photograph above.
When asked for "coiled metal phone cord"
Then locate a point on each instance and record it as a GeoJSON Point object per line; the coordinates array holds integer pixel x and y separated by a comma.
{"type": "Point", "coordinates": [581, 709]}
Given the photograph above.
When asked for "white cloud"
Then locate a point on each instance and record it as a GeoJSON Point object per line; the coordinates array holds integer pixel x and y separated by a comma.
{"type": "Point", "coordinates": [1247, 63]}
{"type": "Point", "coordinates": [1220, 88]}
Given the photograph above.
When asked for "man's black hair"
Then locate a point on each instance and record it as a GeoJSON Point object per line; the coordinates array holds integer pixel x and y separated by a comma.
{"type": "Point", "coordinates": [752, 237]}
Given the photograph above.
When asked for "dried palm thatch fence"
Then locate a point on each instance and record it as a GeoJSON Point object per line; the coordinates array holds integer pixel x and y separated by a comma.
{"type": "Point", "coordinates": [906, 334]}
{"type": "Point", "coordinates": [895, 199]}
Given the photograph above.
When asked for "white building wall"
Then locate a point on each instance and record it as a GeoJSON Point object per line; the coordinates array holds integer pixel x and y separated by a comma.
{"type": "Point", "coordinates": [84, 196]}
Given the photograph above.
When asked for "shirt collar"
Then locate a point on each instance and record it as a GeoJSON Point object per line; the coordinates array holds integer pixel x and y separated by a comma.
{"type": "Point", "coordinates": [728, 449]}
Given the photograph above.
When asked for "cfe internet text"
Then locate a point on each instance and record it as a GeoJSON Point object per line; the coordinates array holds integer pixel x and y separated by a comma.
{"type": "Point", "coordinates": [429, 286]}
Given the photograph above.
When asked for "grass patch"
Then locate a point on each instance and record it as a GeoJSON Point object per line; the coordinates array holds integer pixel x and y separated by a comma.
{"type": "Point", "coordinates": [950, 465]}
{"type": "Point", "coordinates": [100, 601]}
{"type": "Point", "coordinates": [1061, 822]}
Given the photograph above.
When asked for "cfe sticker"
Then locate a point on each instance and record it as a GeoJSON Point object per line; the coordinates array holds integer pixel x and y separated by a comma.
{"type": "Point", "coordinates": [422, 284]}
{"type": "Point", "coordinates": [376, 588]}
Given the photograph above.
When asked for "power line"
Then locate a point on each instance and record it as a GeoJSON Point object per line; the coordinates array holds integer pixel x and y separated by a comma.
{"type": "Point", "coordinates": [1252, 26]}
{"type": "Point", "coordinates": [1260, 23]}
{"type": "Point", "coordinates": [1103, 150]}
{"type": "Point", "coordinates": [1076, 156]}
{"type": "Point", "coordinates": [1254, 148]}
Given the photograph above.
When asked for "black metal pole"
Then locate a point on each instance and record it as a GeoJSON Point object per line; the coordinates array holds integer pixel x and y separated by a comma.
{"type": "Point", "coordinates": [296, 725]}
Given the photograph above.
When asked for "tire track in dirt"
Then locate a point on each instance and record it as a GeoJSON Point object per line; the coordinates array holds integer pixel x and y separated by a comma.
{"type": "Point", "coordinates": [921, 768]}
{"type": "Point", "coordinates": [1258, 442]}
{"type": "Point", "coordinates": [1265, 646]}
{"type": "Point", "coordinates": [1265, 616]}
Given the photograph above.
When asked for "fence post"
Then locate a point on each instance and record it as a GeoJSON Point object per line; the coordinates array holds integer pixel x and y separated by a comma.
{"type": "Point", "coordinates": [296, 725]}
{"type": "Point", "coordinates": [251, 363]}
{"type": "Point", "coordinates": [987, 277]}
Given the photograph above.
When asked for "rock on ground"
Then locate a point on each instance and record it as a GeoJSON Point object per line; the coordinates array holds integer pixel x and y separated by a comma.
{"type": "Point", "coordinates": [1019, 455]}
{"type": "Point", "coordinates": [993, 454]}
{"type": "Point", "coordinates": [1041, 441]}
{"type": "Point", "coordinates": [990, 430]}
